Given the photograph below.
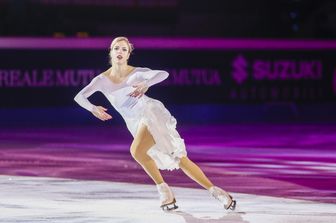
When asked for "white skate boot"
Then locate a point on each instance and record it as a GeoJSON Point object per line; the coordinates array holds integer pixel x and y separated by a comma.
{"type": "Point", "coordinates": [225, 198]}
{"type": "Point", "coordinates": [167, 198]}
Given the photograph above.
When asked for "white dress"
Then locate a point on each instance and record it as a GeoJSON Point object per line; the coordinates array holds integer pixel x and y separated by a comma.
{"type": "Point", "coordinates": [169, 146]}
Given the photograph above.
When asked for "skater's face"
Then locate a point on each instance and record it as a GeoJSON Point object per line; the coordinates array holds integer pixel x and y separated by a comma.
{"type": "Point", "coordinates": [119, 52]}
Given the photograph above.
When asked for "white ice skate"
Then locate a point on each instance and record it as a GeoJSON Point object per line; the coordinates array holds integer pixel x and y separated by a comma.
{"type": "Point", "coordinates": [225, 198]}
{"type": "Point", "coordinates": [167, 198]}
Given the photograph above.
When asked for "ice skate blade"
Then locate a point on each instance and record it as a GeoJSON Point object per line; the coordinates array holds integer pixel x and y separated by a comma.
{"type": "Point", "coordinates": [169, 207]}
{"type": "Point", "coordinates": [231, 206]}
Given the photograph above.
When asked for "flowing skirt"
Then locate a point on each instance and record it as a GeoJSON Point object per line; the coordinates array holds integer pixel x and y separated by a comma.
{"type": "Point", "coordinates": [169, 147]}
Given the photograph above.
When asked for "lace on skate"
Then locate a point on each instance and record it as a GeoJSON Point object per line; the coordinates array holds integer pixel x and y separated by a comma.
{"type": "Point", "coordinates": [220, 195]}
{"type": "Point", "coordinates": [165, 195]}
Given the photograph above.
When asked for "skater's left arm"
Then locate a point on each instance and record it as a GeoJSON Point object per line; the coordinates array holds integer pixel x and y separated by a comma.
{"type": "Point", "coordinates": [143, 80]}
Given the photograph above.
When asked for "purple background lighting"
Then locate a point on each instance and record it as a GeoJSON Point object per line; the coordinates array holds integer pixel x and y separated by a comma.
{"type": "Point", "coordinates": [168, 43]}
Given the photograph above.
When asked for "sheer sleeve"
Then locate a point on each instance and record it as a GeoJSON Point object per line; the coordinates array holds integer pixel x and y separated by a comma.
{"type": "Point", "coordinates": [81, 98]}
{"type": "Point", "coordinates": [151, 77]}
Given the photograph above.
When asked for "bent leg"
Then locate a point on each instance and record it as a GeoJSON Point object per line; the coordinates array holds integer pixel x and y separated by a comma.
{"type": "Point", "coordinates": [194, 172]}
{"type": "Point", "coordinates": [142, 142]}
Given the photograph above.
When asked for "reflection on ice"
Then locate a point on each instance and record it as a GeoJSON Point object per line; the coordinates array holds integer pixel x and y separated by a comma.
{"type": "Point", "coordinates": [38, 199]}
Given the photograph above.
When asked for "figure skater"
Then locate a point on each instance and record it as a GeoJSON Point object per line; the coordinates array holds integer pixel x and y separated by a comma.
{"type": "Point", "coordinates": [157, 144]}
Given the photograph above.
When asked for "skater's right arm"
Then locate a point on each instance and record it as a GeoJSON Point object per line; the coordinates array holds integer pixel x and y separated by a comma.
{"type": "Point", "coordinates": [82, 98]}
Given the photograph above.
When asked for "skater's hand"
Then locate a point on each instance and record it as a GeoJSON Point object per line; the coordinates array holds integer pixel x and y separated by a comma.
{"type": "Point", "coordinates": [100, 112]}
{"type": "Point", "coordinates": [140, 90]}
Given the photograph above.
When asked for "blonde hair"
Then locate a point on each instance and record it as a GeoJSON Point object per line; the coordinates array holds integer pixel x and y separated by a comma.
{"type": "Point", "coordinates": [119, 39]}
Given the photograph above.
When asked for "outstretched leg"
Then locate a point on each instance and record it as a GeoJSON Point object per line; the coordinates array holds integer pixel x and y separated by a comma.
{"type": "Point", "coordinates": [195, 173]}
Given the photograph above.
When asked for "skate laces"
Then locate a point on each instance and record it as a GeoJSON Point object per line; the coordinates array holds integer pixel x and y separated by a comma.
{"type": "Point", "coordinates": [163, 195]}
{"type": "Point", "coordinates": [163, 191]}
{"type": "Point", "coordinates": [219, 194]}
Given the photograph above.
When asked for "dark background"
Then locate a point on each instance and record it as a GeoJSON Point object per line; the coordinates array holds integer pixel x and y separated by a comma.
{"type": "Point", "coordinates": [275, 20]}
{"type": "Point", "coordinates": [216, 18]}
